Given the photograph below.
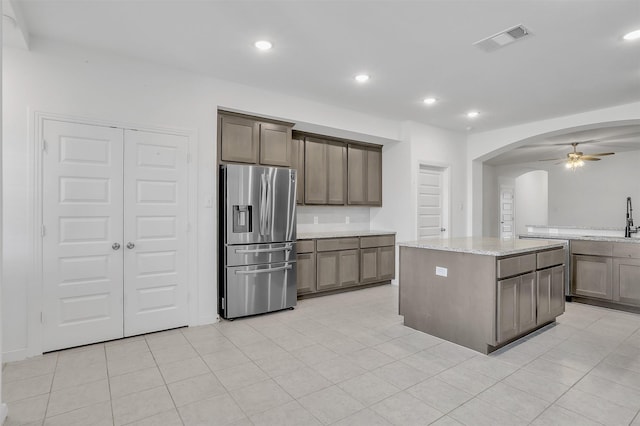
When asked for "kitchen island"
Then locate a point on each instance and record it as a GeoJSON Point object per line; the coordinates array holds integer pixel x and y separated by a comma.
{"type": "Point", "coordinates": [481, 293]}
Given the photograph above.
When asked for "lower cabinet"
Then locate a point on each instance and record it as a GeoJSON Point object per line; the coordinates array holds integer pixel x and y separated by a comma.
{"type": "Point", "coordinates": [306, 273]}
{"type": "Point", "coordinates": [328, 267]}
{"type": "Point", "coordinates": [329, 264]}
{"type": "Point", "coordinates": [592, 276]}
{"type": "Point", "coordinates": [626, 279]}
{"type": "Point", "coordinates": [516, 305]}
{"type": "Point", "coordinates": [337, 269]}
{"type": "Point", "coordinates": [550, 293]}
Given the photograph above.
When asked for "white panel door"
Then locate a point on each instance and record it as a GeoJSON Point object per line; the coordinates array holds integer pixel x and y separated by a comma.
{"type": "Point", "coordinates": [155, 230]}
{"type": "Point", "coordinates": [507, 213]}
{"type": "Point", "coordinates": [82, 219]}
{"type": "Point", "coordinates": [430, 203]}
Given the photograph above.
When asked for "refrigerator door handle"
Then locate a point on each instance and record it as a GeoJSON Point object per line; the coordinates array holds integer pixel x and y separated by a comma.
{"type": "Point", "coordinates": [263, 205]}
{"type": "Point", "coordinates": [269, 218]}
{"type": "Point", "coordinates": [264, 271]}
{"type": "Point", "coordinates": [269, 250]}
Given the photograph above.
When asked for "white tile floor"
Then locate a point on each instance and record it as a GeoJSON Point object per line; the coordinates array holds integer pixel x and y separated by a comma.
{"type": "Point", "coordinates": [345, 360]}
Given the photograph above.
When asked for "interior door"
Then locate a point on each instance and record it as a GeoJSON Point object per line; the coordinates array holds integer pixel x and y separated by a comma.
{"type": "Point", "coordinates": [82, 241]}
{"type": "Point", "coordinates": [507, 213]}
{"type": "Point", "coordinates": [155, 232]}
{"type": "Point", "coordinates": [431, 206]}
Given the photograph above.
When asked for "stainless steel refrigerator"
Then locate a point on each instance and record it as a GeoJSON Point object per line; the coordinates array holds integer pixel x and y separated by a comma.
{"type": "Point", "coordinates": [257, 250]}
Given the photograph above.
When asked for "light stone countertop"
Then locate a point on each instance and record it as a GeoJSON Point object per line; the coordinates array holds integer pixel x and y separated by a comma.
{"type": "Point", "coordinates": [632, 240]}
{"type": "Point", "coordinates": [609, 228]}
{"type": "Point", "coordinates": [484, 246]}
{"type": "Point", "coordinates": [340, 234]}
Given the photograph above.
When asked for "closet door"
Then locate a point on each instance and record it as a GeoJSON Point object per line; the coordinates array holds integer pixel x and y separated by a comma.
{"type": "Point", "coordinates": [82, 241]}
{"type": "Point", "coordinates": [155, 232]}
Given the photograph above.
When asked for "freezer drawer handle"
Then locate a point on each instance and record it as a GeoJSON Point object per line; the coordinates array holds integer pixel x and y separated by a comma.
{"type": "Point", "coordinates": [269, 250]}
{"type": "Point", "coordinates": [264, 271]}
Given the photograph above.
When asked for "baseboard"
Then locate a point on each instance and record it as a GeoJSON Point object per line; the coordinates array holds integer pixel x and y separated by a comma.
{"type": "Point", "coordinates": [17, 355]}
{"type": "Point", "coordinates": [209, 319]}
{"type": "Point", "coordinates": [4, 410]}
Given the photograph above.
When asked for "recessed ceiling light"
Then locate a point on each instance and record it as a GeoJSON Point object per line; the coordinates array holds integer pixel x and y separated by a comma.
{"type": "Point", "coordinates": [473, 114]}
{"type": "Point", "coordinates": [429, 101]}
{"type": "Point", "coordinates": [361, 78]}
{"type": "Point", "coordinates": [633, 35]}
{"type": "Point", "coordinates": [263, 45]}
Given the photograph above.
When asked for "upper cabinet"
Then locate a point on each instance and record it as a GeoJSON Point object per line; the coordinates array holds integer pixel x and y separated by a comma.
{"type": "Point", "coordinates": [250, 140]}
{"type": "Point", "coordinates": [365, 175]}
{"type": "Point", "coordinates": [297, 162]}
{"type": "Point", "coordinates": [325, 164]}
{"type": "Point", "coordinates": [331, 171]}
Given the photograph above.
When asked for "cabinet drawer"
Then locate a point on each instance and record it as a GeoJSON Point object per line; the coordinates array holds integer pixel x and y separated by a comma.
{"type": "Point", "coordinates": [377, 241]}
{"type": "Point", "coordinates": [331, 244]}
{"type": "Point", "coordinates": [305, 246]}
{"type": "Point", "coordinates": [549, 258]}
{"type": "Point", "coordinates": [627, 250]}
{"type": "Point", "coordinates": [592, 248]}
{"type": "Point", "coordinates": [516, 265]}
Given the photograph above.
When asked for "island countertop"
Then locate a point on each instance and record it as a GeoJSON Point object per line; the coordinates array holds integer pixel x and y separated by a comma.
{"type": "Point", "coordinates": [484, 246]}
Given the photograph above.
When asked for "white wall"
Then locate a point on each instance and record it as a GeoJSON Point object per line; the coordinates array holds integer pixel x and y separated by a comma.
{"type": "Point", "coordinates": [483, 145]}
{"type": "Point", "coordinates": [491, 202]}
{"type": "Point", "coordinates": [531, 200]}
{"type": "Point", "coordinates": [331, 218]}
{"type": "Point", "coordinates": [595, 195]}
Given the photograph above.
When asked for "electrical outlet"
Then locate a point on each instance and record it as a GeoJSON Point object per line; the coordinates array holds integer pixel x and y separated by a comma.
{"type": "Point", "coordinates": [315, 220]}
{"type": "Point", "coordinates": [347, 220]}
{"type": "Point", "coordinates": [441, 272]}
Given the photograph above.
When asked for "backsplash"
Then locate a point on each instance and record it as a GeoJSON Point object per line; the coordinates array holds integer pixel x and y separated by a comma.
{"type": "Point", "coordinates": [327, 218]}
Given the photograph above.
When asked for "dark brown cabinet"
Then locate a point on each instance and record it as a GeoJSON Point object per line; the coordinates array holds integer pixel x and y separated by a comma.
{"type": "Point", "coordinates": [249, 140]}
{"type": "Point", "coordinates": [325, 170]}
{"type": "Point", "coordinates": [275, 145]}
{"type": "Point", "coordinates": [516, 306]}
{"type": "Point", "coordinates": [239, 139]}
{"type": "Point", "coordinates": [341, 263]}
{"type": "Point", "coordinates": [550, 293]}
{"type": "Point", "coordinates": [592, 276]}
{"type": "Point", "coordinates": [297, 162]}
{"type": "Point", "coordinates": [364, 165]}
{"type": "Point", "coordinates": [306, 267]}
{"type": "Point", "coordinates": [377, 258]}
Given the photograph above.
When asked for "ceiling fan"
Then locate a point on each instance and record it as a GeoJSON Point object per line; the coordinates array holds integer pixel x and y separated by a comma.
{"type": "Point", "coordinates": [577, 158]}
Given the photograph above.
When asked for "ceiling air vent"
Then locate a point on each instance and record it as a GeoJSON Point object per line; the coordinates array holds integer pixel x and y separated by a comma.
{"type": "Point", "coordinates": [502, 38]}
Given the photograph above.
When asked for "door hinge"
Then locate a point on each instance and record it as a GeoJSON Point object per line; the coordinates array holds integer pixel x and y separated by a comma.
{"type": "Point", "coordinates": [188, 157]}
{"type": "Point", "coordinates": [45, 146]}
{"type": "Point", "coordinates": [41, 318]}
{"type": "Point", "coordinates": [188, 227]}
{"type": "Point", "coordinates": [43, 231]}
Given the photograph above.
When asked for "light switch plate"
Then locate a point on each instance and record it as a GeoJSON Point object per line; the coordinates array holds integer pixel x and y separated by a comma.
{"type": "Point", "coordinates": [441, 272]}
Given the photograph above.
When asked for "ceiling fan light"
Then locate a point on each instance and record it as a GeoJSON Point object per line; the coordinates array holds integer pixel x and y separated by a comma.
{"type": "Point", "coordinates": [568, 165]}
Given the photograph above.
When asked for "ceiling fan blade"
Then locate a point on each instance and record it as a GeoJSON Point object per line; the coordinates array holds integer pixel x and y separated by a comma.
{"type": "Point", "coordinates": [552, 159]}
{"type": "Point", "coordinates": [601, 154]}
{"type": "Point", "coordinates": [590, 158]}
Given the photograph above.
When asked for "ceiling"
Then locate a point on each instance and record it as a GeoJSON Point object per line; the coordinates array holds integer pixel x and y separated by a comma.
{"type": "Point", "coordinates": [574, 61]}
{"type": "Point", "coordinates": [618, 139]}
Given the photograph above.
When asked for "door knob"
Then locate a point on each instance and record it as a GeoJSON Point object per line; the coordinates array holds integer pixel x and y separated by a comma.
{"type": "Point", "coordinates": [115, 246]}
{"type": "Point", "coordinates": [130, 245]}
{"type": "Point", "coordinates": [443, 229]}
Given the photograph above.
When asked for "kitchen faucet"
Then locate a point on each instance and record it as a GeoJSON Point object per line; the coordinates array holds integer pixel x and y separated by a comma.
{"type": "Point", "coordinates": [628, 230]}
